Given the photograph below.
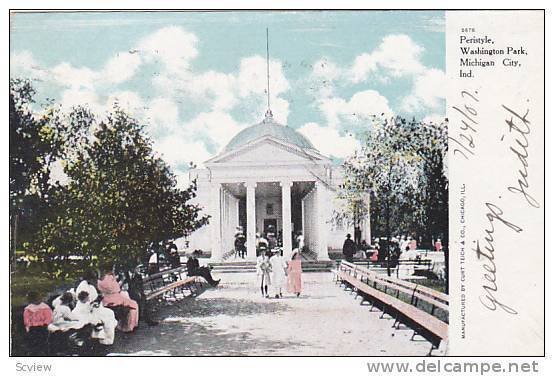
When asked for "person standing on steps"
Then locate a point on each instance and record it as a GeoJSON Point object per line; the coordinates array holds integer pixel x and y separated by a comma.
{"type": "Point", "coordinates": [240, 249]}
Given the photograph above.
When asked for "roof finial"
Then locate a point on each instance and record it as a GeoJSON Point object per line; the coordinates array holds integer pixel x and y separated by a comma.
{"type": "Point", "coordinates": [268, 114]}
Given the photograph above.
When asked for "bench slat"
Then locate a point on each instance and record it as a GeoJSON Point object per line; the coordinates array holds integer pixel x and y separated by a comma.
{"type": "Point", "coordinates": [171, 286]}
{"type": "Point", "coordinates": [422, 292]}
{"type": "Point", "coordinates": [163, 273]}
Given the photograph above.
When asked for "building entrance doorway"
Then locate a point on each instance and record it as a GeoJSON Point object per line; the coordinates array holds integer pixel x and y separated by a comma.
{"type": "Point", "coordinates": [270, 224]}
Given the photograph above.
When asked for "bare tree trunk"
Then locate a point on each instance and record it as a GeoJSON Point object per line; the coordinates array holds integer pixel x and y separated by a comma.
{"type": "Point", "coordinates": [14, 227]}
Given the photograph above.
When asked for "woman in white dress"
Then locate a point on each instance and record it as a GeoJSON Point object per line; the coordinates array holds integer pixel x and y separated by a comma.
{"type": "Point", "coordinates": [87, 284]}
{"type": "Point", "coordinates": [278, 274]}
{"type": "Point", "coordinates": [102, 318]}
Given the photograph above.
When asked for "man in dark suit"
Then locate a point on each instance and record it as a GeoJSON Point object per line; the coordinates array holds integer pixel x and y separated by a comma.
{"type": "Point", "coordinates": [194, 269]}
{"type": "Point", "coordinates": [348, 248]}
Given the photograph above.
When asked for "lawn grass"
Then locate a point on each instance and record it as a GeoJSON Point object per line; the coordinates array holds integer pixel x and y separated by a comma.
{"type": "Point", "coordinates": [434, 284]}
{"type": "Point", "coordinates": [22, 281]}
{"type": "Point", "coordinates": [33, 279]}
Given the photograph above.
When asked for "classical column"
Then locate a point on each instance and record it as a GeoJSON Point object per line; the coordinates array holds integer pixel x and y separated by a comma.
{"type": "Point", "coordinates": [251, 220]}
{"type": "Point", "coordinates": [215, 221]}
{"type": "Point", "coordinates": [323, 212]}
{"type": "Point", "coordinates": [286, 215]}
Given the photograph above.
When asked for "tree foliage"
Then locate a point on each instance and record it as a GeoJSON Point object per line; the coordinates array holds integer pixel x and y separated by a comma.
{"type": "Point", "coordinates": [401, 168]}
{"type": "Point", "coordinates": [118, 197]}
{"type": "Point", "coordinates": [30, 153]}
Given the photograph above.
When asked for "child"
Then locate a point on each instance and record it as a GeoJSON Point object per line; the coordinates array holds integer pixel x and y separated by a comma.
{"type": "Point", "coordinates": [62, 310]}
{"type": "Point", "coordinates": [36, 317]}
{"type": "Point", "coordinates": [105, 323]}
{"type": "Point", "coordinates": [87, 284]}
{"type": "Point", "coordinates": [83, 309]}
{"type": "Point", "coordinates": [64, 323]}
{"type": "Point", "coordinates": [263, 268]}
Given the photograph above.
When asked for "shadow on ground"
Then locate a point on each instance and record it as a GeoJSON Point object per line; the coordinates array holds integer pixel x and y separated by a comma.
{"type": "Point", "coordinates": [192, 339]}
{"type": "Point", "coordinates": [221, 306]}
{"type": "Point", "coordinates": [179, 332]}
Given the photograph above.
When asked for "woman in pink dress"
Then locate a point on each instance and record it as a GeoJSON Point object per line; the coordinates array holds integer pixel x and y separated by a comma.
{"type": "Point", "coordinates": [37, 314]}
{"type": "Point", "coordinates": [375, 255]}
{"type": "Point", "coordinates": [294, 274]}
{"type": "Point", "coordinates": [36, 317]}
{"type": "Point", "coordinates": [113, 297]}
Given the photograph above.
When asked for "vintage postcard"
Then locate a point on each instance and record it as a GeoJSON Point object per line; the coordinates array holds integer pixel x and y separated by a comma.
{"type": "Point", "coordinates": [277, 183]}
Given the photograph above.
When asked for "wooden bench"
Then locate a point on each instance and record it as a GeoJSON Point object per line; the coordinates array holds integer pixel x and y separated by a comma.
{"type": "Point", "coordinates": [396, 266]}
{"type": "Point", "coordinates": [168, 282]}
{"type": "Point", "coordinates": [434, 298]}
{"type": "Point", "coordinates": [366, 284]}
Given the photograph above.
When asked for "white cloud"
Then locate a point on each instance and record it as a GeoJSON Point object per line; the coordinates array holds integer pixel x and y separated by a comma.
{"type": "Point", "coordinates": [23, 64]}
{"type": "Point", "coordinates": [76, 96]}
{"type": "Point", "coordinates": [217, 126]}
{"type": "Point", "coordinates": [177, 151]}
{"type": "Point", "coordinates": [326, 70]}
{"type": "Point", "coordinates": [252, 83]}
{"type": "Point", "coordinates": [252, 77]}
{"type": "Point", "coordinates": [76, 78]}
{"type": "Point", "coordinates": [329, 141]}
{"type": "Point", "coordinates": [397, 55]}
{"type": "Point", "coordinates": [323, 76]}
{"type": "Point", "coordinates": [361, 107]}
{"type": "Point", "coordinates": [128, 101]}
{"type": "Point", "coordinates": [173, 46]}
{"type": "Point", "coordinates": [217, 91]}
{"type": "Point", "coordinates": [215, 87]}
{"type": "Point", "coordinates": [428, 90]}
{"type": "Point", "coordinates": [121, 67]}
{"type": "Point", "coordinates": [162, 115]}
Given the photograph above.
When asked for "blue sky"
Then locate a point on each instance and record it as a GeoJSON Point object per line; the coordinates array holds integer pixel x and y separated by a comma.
{"type": "Point", "coordinates": [197, 78]}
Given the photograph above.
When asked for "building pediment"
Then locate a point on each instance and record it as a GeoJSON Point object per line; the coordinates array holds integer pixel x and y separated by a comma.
{"type": "Point", "coordinates": [268, 150]}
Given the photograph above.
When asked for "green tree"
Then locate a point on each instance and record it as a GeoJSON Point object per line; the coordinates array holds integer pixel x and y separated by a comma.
{"type": "Point", "coordinates": [400, 166]}
{"type": "Point", "coordinates": [30, 151]}
{"type": "Point", "coordinates": [120, 198]}
{"type": "Point", "coordinates": [37, 141]}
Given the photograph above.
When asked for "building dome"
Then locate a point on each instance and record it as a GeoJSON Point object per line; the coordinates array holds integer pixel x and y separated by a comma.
{"type": "Point", "coordinates": [268, 127]}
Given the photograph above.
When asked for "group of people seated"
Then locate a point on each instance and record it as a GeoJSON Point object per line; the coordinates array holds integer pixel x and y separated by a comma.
{"type": "Point", "coordinates": [395, 248]}
{"type": "Point", "coordinates": [88, 314]}
{"type": "Point", "coordinates": [351, 250]}
{"type": "Point", "coordinates": [381, 248]}
{"type": "Point", "coordinates": [173, 260]}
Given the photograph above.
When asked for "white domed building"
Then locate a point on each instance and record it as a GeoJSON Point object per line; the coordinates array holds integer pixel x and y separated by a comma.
{"type": "Point", "coordinates": [269, 175]}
